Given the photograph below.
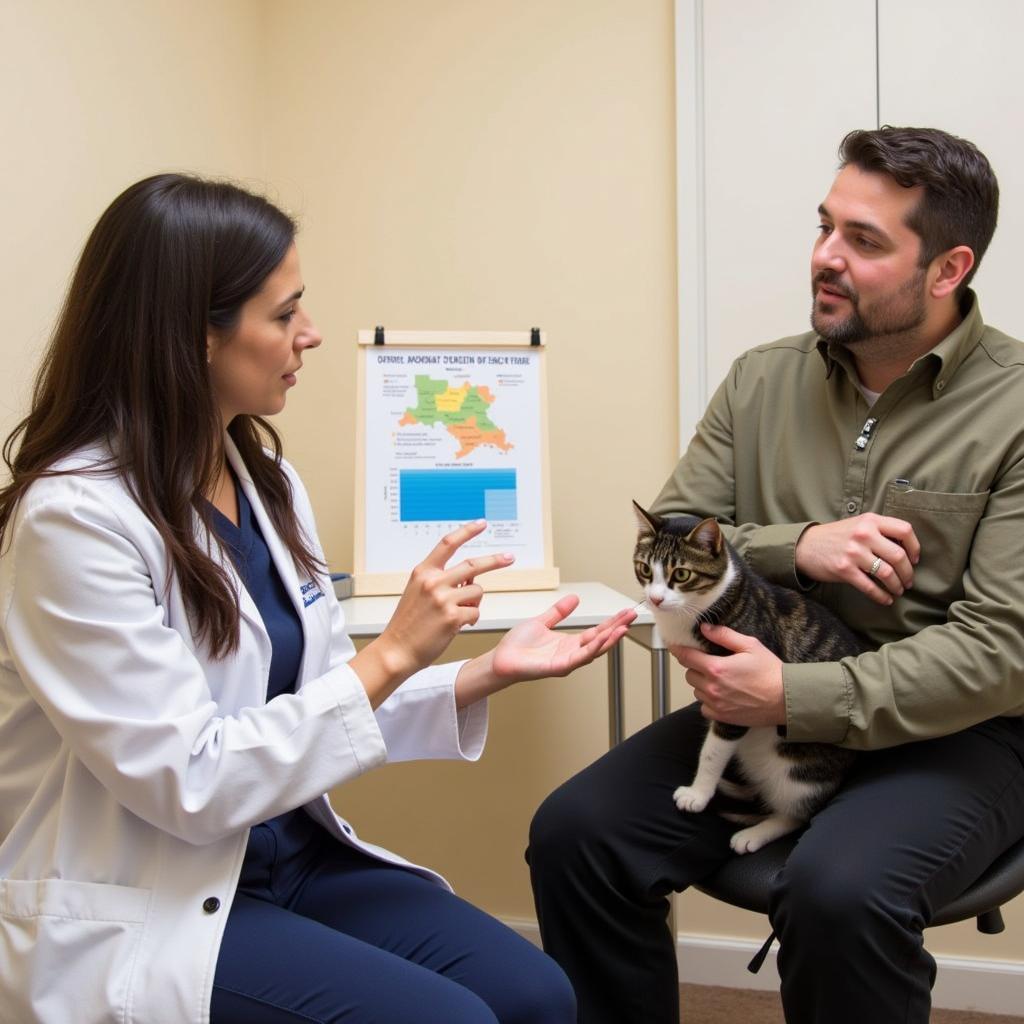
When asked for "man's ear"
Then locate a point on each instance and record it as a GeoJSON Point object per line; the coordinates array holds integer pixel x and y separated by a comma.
{"type": "Point", "coordinates": [950, 268]}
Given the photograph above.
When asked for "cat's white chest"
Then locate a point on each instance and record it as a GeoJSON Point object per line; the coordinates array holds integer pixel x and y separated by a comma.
{"type": "Point", "coordinates": [675, 628]}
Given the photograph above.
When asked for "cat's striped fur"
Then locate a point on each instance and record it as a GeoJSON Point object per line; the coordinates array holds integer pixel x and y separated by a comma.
{"type": "Point", "coordinates": [690, 575]}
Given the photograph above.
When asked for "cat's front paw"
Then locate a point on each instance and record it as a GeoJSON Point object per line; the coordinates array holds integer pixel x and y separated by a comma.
{"type": "Point", "coordinates": [689, 798]}
{"type": "Point", "coordinates": [747, 840]}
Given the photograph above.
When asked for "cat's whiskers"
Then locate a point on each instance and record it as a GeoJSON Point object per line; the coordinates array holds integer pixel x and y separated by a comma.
{"type": "Point", "coordinates": [707, 616]}
{"type": "Point", "coordinates": [683, 609]}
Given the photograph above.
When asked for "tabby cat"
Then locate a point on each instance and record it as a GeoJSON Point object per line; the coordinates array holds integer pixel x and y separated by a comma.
{"type": "Point", "coordinates": [690, 575]}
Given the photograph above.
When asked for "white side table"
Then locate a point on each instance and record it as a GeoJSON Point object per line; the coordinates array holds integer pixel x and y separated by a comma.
{"type": "Point", "coordinates": [366, 617]}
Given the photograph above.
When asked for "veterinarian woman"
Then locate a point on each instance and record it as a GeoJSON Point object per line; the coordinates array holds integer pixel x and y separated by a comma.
{"type": "Point", "coordinates": [177, 691]}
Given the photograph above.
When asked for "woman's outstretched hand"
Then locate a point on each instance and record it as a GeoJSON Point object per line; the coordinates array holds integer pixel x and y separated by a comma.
{"type": "Point", "coordinates": [436, 603]}
{"type": "Point", "coordinates": [534, 650]}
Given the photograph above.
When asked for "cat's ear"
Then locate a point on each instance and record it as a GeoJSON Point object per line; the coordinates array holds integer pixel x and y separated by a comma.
{"type": "Point", "coordinates": [707, 535]}
{"type": "Point", "coordinates": [647, 522]}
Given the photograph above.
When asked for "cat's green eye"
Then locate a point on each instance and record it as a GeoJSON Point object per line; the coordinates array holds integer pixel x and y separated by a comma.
{"type": "Point", "coordinates": [680, 576]}
{"type": "Point", "coordinates": [643, 571]}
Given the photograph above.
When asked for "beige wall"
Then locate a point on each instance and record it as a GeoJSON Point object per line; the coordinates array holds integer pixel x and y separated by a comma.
{"type": "Point", "coordinates": [94, 96]}
{"type": "Point", "coordinates": [464, 164]}
{"type": "Point", "coordinates": [481, 165]}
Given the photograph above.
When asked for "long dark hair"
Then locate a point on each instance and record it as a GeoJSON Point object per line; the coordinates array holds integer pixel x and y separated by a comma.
{"type": "Point", "coordinates": [126, 368]}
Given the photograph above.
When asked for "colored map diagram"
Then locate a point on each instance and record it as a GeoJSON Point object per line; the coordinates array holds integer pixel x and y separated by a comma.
{"type": "Point", "coordinates": [463, 411]}
{"type": "Point", "coordinates": [450, 435]}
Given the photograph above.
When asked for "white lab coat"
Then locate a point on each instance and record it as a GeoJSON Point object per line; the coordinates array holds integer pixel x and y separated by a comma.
{"type": "Point", "coordinates": [132, 765]}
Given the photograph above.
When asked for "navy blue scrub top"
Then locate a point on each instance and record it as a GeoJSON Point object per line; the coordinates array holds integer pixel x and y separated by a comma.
{"type": "Point", "coordinates": [259, 575]}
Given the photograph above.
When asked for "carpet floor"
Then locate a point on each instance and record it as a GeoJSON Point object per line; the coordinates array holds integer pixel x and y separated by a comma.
{"type": "Point", "coordinates": [708, 1004]}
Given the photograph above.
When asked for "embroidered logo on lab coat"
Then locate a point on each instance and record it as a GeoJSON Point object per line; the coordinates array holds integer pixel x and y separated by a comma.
{"type": "Point", "coordinates": [311, 593]}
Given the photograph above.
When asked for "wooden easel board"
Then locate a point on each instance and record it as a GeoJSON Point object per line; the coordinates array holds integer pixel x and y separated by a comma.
{"type": "Point", "coordinates": [452, 427]}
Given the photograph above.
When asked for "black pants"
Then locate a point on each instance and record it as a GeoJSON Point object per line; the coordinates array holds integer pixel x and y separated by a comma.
{"type": "Point", "coordinates": [910, 830]}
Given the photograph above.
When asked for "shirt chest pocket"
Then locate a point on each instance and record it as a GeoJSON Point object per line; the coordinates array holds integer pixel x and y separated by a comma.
{"type": "Point", "coordinates": [944, 523]}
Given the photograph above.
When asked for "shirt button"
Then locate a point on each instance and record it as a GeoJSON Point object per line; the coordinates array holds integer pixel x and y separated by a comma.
{"type": "Point", "coordinates": [851, 506]}
{"type": "Point", "coordinates": [940, 385]}
{"type": "Point", "coordinates": [211, 905]}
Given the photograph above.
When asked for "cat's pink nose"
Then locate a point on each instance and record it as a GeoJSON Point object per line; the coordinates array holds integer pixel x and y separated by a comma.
{"type": "Point", "coordinates": [655, 599]}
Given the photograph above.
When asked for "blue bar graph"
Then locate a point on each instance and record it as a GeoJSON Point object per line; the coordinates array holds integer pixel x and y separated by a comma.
{"type": "Point", "coordinates": [456, 495]}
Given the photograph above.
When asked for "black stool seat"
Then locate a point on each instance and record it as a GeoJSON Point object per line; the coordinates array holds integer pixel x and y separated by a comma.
{"type": "Point", "coordinates": [746, 881]}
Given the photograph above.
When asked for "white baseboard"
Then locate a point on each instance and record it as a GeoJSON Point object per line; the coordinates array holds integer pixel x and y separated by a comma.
{"type": "Point", "coordinates": [987, 986]}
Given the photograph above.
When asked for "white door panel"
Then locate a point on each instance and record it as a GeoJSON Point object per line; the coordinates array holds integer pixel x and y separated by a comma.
{"type": "Point", "coordinates": [781, 84]}
{"type": "Point", "coordinates": [945, 64]}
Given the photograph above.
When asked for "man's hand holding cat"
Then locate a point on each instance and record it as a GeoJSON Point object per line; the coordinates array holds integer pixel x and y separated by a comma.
{"type": "Point", "coordinates": [742, 688]}
{"type": "Point", "coordinates": [876, 554]}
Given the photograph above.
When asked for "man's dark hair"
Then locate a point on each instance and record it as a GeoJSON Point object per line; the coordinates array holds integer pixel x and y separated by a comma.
{"type": "Point", "coordinates": [961, 195]}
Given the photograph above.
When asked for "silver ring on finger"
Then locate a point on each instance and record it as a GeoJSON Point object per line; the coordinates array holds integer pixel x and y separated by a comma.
{"type": "Point", "coordinates": [875, 566]}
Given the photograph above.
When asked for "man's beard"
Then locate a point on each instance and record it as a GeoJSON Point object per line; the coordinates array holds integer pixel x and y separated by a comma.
{"type": "Point", "coordinates": [899, 312]}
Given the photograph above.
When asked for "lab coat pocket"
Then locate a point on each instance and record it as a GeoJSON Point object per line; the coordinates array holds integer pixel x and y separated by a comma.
{"type": "Point", "coordinates": [944, 524]}
{"type": "Point", "coordinates": [67, 949]}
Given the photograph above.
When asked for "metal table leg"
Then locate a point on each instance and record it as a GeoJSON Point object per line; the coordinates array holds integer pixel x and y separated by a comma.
{"type": "Point", "coordinates": [660, 695]}
{"type": "Point", "coordinates": [615, 703]}
{"type": "Point", "coordinates": [660, 701]}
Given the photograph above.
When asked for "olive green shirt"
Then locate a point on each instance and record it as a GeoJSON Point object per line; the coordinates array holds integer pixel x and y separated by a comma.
{"type": "Point", "coordinates": [783, 445]}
